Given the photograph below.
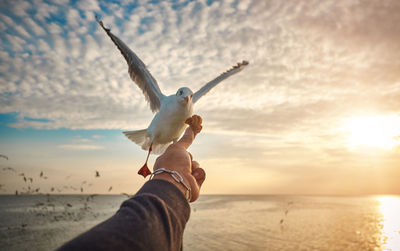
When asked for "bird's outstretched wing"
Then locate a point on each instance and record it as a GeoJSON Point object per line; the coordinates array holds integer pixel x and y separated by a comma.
{"type": "Point", "coordinates": [138, 72]}
{"type": "Point", "coordinates": [206, 88]}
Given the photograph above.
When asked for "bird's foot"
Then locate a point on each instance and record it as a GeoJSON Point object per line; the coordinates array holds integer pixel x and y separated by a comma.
{"type": "Point", "coordinates": [195, 123]}
{"type": "Point", "coordinates": [144, 171]}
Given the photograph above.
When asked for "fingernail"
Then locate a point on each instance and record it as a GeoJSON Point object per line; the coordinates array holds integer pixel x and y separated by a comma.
{"type": "Point", "coordinates": [196, 174]}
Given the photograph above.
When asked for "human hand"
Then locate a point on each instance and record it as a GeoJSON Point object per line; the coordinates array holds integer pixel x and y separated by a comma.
{"type": "Point", "coordinates": [177, 158]}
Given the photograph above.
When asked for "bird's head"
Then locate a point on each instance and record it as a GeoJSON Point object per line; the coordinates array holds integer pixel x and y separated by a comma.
{"type": "Point", "coordinates": [184, 95]}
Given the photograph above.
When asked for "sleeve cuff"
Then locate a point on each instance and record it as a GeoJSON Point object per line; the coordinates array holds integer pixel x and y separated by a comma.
{"type": "Point", "coordinates": [169, 193]}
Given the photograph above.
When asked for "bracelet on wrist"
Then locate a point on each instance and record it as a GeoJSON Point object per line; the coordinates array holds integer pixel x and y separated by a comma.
{"type": "Point", "coordinates": [177, 177]}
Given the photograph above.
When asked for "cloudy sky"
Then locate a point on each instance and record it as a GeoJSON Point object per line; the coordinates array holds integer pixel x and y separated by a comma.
{"type": "Point", "coordinates": [317, 111]}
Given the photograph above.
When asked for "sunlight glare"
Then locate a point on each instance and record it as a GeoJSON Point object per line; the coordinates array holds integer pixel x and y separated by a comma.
{"type": "Point", "coordinates": [373, 131]}
{"type": "Point", "coordinates": [390, 234]}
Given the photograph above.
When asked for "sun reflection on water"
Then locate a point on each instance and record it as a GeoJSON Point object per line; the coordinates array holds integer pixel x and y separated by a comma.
{"type": "Point", "coordinates": [390, 233]}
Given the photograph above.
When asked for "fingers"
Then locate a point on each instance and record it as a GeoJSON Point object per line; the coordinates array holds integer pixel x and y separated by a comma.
{"type": "Point", "coordinates": [199, 176]}
{"type": "Point", "coordinates": [198, 173]}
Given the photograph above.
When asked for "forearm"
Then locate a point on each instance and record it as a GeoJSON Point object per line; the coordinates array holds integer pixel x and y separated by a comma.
{"type": "Point", "coordinates": [154, 219]}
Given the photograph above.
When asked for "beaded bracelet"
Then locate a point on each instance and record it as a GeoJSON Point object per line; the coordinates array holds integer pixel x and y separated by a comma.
{"type": "Point", "coordinates": [177, 177]}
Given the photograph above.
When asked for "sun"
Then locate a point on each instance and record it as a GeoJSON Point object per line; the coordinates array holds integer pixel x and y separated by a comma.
{"type": "Point", "coordinates": [373, 131]}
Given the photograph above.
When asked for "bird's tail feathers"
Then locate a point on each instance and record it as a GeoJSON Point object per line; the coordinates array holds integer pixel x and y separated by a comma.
{"type": "Point", "coordinates": [141, 138]}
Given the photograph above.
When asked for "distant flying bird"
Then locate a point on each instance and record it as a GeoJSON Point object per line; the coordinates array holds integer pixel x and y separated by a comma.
{"type": "Point", "coordinates": [127, 195]}
{"type": "Point", "coordinates": [286, 211]}
{"type": "Point", "coordinates": [172, 111]}
{"type": "Point", "coordinates": [8, 169]}
{"type": "Point", "coordinates": [3, 156]}
{"type": "Point", "coordinates": [97, 174]}
{"type": "Point", "coordinates": [90, 197]}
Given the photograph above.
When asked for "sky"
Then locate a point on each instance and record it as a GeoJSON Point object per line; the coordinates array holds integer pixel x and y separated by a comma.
{"type": "Point", "coordinates": [317, 110]}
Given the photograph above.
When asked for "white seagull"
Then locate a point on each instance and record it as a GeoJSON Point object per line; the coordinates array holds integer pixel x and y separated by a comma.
{"type": "Point", "coordinates": [171, 111]}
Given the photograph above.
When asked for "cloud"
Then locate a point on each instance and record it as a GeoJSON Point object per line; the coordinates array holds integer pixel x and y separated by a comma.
{"type": "Point", "coordinates": [34, 27]}
{"type": "Point", "coordinates": [19, 8]}
{"type": "Point", "coordinates": [80, 147]}
{"type": "Point", "coordinates": [88, 5]}
{"type": "Point", "coordinates": [312, 64]}
{"type": "Point", "coordinates": [82, 140]}
{"type": "Point", "coordinates": [22, 31]}
{"type": "Point", "coordinates": [308, 62]}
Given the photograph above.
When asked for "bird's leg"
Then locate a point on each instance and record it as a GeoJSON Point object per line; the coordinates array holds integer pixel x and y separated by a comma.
{"type": "Point", "coordinates": [144, 171]}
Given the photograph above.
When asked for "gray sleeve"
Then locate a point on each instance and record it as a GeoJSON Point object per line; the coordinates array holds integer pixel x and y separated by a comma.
{"type": "Point", "coordinates": [153, 219]}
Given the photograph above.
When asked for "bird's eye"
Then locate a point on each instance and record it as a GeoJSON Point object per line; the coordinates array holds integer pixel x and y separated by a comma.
{"type": "Point", "coordinates": [180, 92]}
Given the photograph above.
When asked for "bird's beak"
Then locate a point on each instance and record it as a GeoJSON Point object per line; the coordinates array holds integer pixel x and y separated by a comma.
{"type": "Point", "coordinates": [186, 99]}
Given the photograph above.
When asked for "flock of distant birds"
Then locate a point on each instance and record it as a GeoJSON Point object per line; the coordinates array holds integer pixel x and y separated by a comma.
{"type": "Point", "coordinates": [288, 206]}
{"type": "Point", "coordinates": [31, 190]}
{"type": "Point", "coordinates": [43, 207]}
{"type": "Point", "coordinates": [46, 207]}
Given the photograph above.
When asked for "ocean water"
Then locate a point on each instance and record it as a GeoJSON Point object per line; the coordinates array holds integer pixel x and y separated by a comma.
{"type": "Point", "coordinates": [227, 222]}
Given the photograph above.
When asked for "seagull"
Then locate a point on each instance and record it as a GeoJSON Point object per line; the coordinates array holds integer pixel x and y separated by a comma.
{"type": "Point", "coordinates": [171, 111]}
{"type": "Point", "coordinates": [127, 195]}
{"type": "Point", "coordinates": [8, 169]}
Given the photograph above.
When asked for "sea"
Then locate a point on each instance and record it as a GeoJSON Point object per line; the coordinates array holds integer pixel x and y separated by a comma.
{"type": "Point", "coordinates": [217, 222]}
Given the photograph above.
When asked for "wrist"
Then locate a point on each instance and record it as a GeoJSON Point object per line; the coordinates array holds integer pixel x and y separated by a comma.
{"type": "Point", "coordinates": [181, 181]}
